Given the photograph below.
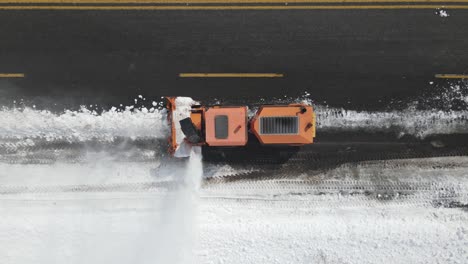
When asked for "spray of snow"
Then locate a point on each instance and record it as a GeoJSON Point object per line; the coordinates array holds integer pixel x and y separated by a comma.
{"type": "Point", "coordinates": [167, 229]}
{"type": "Point", "coordinates": [178, 223]}
{"type": "Point", "coordinates": [82, 125]}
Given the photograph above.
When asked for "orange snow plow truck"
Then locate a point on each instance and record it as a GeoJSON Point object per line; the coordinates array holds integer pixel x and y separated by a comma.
{"type": "Point", "coordinates": [231, 126]}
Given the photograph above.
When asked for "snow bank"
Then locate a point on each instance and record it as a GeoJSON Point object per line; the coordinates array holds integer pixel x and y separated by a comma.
{"type": "Point", "coordinates": [442, 111]}
{"type": "Point", "coordinates": [410, 121]}
{"type": "Point", "coordinates": [85, 124]}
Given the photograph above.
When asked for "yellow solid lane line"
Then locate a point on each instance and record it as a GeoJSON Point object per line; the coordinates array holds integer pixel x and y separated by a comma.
{"type": "Point", "coordinates": [231, 75]}
{"type": "Point", "coordinates": [220, 2]}
{"type": "Point", "coordinates": [260, 7]}
{"type": "Point", "coordinates": [452, 76]}
{"type": "Point", "coordinates": [11, 75]}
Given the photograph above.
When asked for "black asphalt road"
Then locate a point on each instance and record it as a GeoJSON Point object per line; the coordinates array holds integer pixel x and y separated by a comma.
{"type": "Point", "coordinates": [351, 58]}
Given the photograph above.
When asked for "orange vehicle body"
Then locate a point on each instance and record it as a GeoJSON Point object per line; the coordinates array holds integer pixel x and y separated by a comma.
{"type": "Point", "coordinates": [196, 117]}
{"type": "Point", "coordinates": [300, 122]}
{"type": "Point", "coordinates": [236, 129]}
{"type": "Point", "coordinates": [230, 126]}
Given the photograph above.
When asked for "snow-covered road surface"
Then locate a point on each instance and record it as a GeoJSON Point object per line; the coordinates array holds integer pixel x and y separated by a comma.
{"type": "Point", "coordinates": [146, 228]}
{"type": "Point", "coordinates": [82, 187]}
{"type": "Point", "coordinates": [242, 222]}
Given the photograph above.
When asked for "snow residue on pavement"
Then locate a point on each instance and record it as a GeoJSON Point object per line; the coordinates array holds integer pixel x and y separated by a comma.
{"type": "Point", "coordinates": [82, 125]}
{"type": "Point", "coordinates": [453, 97]}
{"type": "Point", "coordinates": [420, 123]}
{"type": "Point", "coordinates": [442, 111]}
{"type": "Point", "coordinates": [442, 13]}
{"type": "Point", "coordinates": [448, 116]}
{"type": "Point", "coordinates": [94, 172]}
{"type": "Point", "coordinates": [215, 171]}
{"type": "Point", "coordinates": [427, 170]}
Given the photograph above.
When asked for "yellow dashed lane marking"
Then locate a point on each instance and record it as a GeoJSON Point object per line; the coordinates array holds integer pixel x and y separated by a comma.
{"type": "Point", "coordinates": [452, 76]}
{"type": "Point", "coordinates": [11, 75]}
{"type": "Point", "coordinates": [231, 75]}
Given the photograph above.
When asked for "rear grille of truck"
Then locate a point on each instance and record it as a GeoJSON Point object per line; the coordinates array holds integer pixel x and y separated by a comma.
{"type": "Point", "coordinates": [279, 125]}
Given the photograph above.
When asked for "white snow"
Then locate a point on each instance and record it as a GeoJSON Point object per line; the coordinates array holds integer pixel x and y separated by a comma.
{"type": "Point", "coordinates": [49, 216]}
{"type": "Point", "coordinates": [183, 107]}
{"type": "Point", "coordinates": [163, 229]}
{"type": "Point", "coordinates": [440, 112]}
{"type": "Point", "coordinates": [260, 232]}
{"type": "Point", "coordinates": [85, 124]}
{"type": "Point", "coordinates": [442, 13]}
{"type": "Point", "coordinates": [176, 236]}
{"type": "Point", "coordinates": [158, 227]}
{"type": "Point", "coordinates": [191, 225]}
{"type": "Point", "coordinates": [82, 125]}
{"type": "Point", "coordinates": [441, 169]}
{"type": "Point", "coordinates": [420, 123]}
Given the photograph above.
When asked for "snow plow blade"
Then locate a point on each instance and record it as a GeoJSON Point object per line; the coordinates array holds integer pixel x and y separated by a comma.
{"type": "Point", "coordinates": [171, 107]}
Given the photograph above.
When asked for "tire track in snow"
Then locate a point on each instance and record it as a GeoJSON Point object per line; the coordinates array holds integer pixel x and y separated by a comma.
{"type": "Point", "coordinates": [437, 193]}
